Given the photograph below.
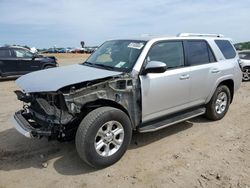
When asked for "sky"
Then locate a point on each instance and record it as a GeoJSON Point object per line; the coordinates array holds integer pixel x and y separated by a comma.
{"type": "Point", "coordinates": [64, 23]}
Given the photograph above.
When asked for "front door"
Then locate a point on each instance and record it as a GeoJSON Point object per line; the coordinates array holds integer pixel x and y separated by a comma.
{"type": "Point", "coordinates": [168, 92]}
{"type": "Point", "coordinates": [25, 60]}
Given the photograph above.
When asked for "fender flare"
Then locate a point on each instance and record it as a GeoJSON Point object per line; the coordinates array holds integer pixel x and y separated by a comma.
{"type": "Point", "coordinates": [48, 64]}
{"type": "Point", "coordinates": [217, 83]}
{"type": "Point", "coordinates": [106, 102]}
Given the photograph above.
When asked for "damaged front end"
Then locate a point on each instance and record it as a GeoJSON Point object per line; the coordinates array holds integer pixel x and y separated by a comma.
{"type": "Point", "coordinates": [57, 115]}
{"type": "Point", "coordinates": [43, 114]}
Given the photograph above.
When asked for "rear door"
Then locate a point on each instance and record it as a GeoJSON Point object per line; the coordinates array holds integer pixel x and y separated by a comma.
{"type": "Point", "coordinates": [8, 63]}
{"type": "Point", "coordinates": [204, 70]}
{"type": "Point", "coordinates": [168, 92]}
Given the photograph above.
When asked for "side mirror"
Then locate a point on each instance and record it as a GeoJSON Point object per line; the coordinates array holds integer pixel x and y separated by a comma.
{"type": "Point", "coordinates": [35, 56]}
{"type": "Point", "coordinates": [155, 67]}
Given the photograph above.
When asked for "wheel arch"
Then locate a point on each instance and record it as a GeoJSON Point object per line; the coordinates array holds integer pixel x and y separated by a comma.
{"type": "Point", "coordinates": [48, 64]}
{"type": "Point", "coordinates": [247, 66]}
{"type": "Point", "coordinates": [90, 106]}
{"type": "Point", "coordinates": [229, 83]}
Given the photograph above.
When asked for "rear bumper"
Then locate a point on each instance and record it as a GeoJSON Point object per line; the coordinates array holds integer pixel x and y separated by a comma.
{"type": "Point", "coordinates": [21, 124]}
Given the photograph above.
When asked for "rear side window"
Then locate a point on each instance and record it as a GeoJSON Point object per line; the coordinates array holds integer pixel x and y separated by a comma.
{"type": "Point", "coordinates": [169, 52]}
{"type": "Point", "coordinates": [243, 55]}
{"type": "Point", "coordinates": [226, 48]}
{"type": "Point", "coordinates": [5, 53]}
{"type": "Point", "coordinates": [199, 53]}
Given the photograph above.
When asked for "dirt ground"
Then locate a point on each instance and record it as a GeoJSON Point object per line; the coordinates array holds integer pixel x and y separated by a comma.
{"type": "Point", "coordinates": [196, 153]}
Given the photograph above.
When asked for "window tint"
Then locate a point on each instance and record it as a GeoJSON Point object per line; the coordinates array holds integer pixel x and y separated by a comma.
{"type": "Point", "coordinates": [199, 53]}
{"type": "Point", "coordinates": [23, 53]}
{"type": "Point", "coordinates": [5, 53]}
{"type": "Point", "coordinates": [170, 53]}
{"type": "Point", "coordinates": [226, 48]}
{"type": "Point", "coordinates": [243, 55]}
{"type": "Point", "coordinates": [211, 55]}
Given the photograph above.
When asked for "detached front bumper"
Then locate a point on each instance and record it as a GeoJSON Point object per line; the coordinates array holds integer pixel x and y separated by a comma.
{"type": "Point", "coordinates": [23, 126]}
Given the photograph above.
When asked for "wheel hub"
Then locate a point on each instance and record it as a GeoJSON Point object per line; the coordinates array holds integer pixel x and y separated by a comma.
{"type": "Point", "coordinates": [109, 138]}
{"type": "Point", "coordinates": [221, 103]}
{"type": "Point", "coordinates": [246, 74]}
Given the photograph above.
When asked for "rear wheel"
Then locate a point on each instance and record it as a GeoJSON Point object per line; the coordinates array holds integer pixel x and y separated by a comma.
{"type": "Point", "coordinates": [103, 136]}
{"type": "Point", "coordinates": [246, 74]}
{"type": "Point", "coordinates": [219, 103]}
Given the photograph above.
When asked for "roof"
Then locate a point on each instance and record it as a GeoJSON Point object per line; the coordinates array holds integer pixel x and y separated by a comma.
{"type": "Point", "coordinates": [12, 47]}
{"type": "Point", "coordinates": [179, 36]}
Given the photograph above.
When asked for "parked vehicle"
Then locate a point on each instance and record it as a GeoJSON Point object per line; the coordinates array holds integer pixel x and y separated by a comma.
{"type": "Point", "coordinates": [245, 64]}
{"type": "Point", "coordinates": [125, 85]}
{"type": "Point", "coordinates": [16, 61]}
{"type": "Point", "coordinates": [52, 50]}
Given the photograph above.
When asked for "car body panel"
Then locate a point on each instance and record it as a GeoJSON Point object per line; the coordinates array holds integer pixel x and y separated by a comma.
{"type": "Point", "coordinates": [9, 66]}
{"type": "Point", "coordinates": [56, 78]}
{"type": "Point", "coordinates": [163, 92]}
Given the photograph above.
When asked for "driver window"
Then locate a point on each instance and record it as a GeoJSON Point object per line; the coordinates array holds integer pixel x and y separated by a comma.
{"type": "Point", "coordinates": [170, 53]}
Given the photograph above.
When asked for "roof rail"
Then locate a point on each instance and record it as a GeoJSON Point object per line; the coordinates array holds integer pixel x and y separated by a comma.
{"type": "Point", "coordinates": [199, 35]}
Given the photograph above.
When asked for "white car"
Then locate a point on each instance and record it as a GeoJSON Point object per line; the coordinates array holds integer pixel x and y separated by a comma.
{"type": "Point", "coordinates": [245, 64]}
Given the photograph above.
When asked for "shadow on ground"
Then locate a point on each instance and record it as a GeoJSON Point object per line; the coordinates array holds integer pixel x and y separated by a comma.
{"type": "Point", "coordinates": [2, 79]}
{"type": "Point", "coordinates": [18, 152]}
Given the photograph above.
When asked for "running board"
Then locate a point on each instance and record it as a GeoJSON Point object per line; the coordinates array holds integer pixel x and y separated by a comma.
{"type": "Point", "coordinates": [170, 120]}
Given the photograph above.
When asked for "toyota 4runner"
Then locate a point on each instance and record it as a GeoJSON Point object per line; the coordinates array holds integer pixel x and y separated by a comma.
{"type": "Point", "coordinates": [125, 85]}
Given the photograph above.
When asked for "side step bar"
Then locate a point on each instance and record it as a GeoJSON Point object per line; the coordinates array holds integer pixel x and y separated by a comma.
{"type": "Point", "coordinates": [170, 120]}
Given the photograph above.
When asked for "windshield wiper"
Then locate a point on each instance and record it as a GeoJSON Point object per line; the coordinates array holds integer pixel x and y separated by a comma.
{"type": "Point", "coordinates": [98, 65]}
{"type": "Point", "coordinates": [86, 62]}
{"type": "Point", "coordinates": [104, 66]}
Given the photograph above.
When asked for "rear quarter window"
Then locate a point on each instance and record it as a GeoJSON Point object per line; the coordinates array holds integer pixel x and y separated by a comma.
{"type": "Point", "coordinates": [5, 53]}
{"type": "Point", "coordinates": [226, 48]}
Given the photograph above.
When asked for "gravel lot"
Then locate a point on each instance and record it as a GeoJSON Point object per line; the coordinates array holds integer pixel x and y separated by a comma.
{"type": "Point", "coordinates": [196, 153]}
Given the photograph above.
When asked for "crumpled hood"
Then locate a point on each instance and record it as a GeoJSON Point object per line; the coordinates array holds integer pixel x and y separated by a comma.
{"type": "Point", "coordinates": [55, 78]}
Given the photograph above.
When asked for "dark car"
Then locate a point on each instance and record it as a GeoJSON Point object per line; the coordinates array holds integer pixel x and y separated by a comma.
{"type": "Point", "coordinates": [16, 61]}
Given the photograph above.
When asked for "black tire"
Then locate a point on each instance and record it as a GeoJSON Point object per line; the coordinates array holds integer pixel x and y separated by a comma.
{"type": "Point", "coordinates": [87, 131]}
{"type": "Point", "coordinates": [211, 112]}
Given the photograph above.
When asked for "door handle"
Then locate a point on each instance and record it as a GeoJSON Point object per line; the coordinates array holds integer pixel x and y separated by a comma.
{"type": "Point", "coordinates": [184, 77]}
{"type": "Point", "coordinates": [215, 71]}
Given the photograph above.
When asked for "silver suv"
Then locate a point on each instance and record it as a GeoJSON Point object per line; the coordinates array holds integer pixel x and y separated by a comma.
{"type": "Point", "coordinates": [126, 85]}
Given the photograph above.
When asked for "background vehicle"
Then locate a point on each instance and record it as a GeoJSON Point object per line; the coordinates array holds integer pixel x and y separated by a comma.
{"type": "Point", "coordinates": [144, 85]}
{"type": "Point", "coordinates": [16, 61]}
{"type": "Point", "coordinates": [245, 64]}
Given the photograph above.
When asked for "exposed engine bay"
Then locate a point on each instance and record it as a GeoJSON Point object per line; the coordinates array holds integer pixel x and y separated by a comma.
{"type": "Point", "coordinates": [57, 115]}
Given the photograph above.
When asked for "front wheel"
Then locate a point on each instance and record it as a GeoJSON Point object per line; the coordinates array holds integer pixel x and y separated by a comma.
{"type": "Point", "coordinates": [219, 103]}
{"type": "Point", "coordinates": [103, 136]}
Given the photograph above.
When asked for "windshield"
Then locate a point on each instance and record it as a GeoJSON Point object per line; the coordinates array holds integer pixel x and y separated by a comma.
{"type": "Point", "coordinates": [118, 55]}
